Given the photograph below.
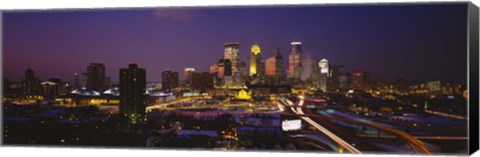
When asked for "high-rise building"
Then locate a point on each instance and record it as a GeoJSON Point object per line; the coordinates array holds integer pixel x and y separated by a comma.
{"type": "Point", "coordinates": [213, 69]}
{"type": "Point", "coordinates": [54, 87]}
{"type": "Point", "coordinates": [96, 77]}
{"type": "Point", "coordinates": [80, 80]}
{"type": "Point", "coordinates": [359, 80]}
{"type": "Point", "coordinates": [169, 80]}
{"type": "Point", "coordinates": [274, 67]}
{"type": "Point", "coordinates": [30, 84]}
{"type": "Point", "coordinates": [224, 68]}
{"type": "Point", "coordinates": [232, 53]}
{"type": "Point", "coordinates": [202, 81]}
{"type": "Point", "coordinates": [295, 61]}
{"type": "Point", "coordinates": [256, 66]}
{"type": "Point", "coordinates": [132, 88]}
{"type": "Point", "coordinates": [187, 74]}
{"type": "Point", "coordinates": [337, 72]}
{"type": "Point", "coordinates": [324, 74]}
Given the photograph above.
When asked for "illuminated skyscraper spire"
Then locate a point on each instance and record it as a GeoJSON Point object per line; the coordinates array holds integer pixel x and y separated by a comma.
{"type": "Point", "coordinates": [256, 68]}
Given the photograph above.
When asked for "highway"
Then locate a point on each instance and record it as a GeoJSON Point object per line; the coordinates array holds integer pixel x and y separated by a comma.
{"type": "Point", "coordinates": [325, 131]}
{"type": "Point", "coordinates": [415, 142]}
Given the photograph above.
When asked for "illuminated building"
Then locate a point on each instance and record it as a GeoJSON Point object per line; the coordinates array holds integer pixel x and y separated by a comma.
{"type": "Point", "coordinates": [232, 53]}
{"type": "Point", "coordinates": [274, 67]}
{"type": "Point", "coordinates": [324, 74]}
{"type": "Point", "coordinates": [54, 87]}
{"type": "Point", "coordinates": [187, 73]}
{"type": "Point", "coordinates": [96, 76]}
{"type": "Point", "coordinates": [132, 88]}
{"type": "Point", "coordinates": [31, 84]}
{"type": "Point", "coordinates": [244, 94]}
{"type": "Point", "coordinates": [213, 69]}
{"type": "Point", "coordinates": [359, 80]}
{"type": "Point", "coordinates": [434, 86]}
{"type": "Point", "coordinates": [256, 68]}
{"type": "Point", "coordinates": [224, 68]}
{"type": "Point", "coordinates": [295, 61]}
{"type": "Point", "coordinates": [169, 80]}
{"type": "Point", "coordinates": [80, 80]}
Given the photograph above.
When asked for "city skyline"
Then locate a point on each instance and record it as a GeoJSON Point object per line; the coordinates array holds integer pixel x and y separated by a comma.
{"type": "Point", "coordinates": [155, 51]}
{"type": "Point", "coordinates": [344, 79]}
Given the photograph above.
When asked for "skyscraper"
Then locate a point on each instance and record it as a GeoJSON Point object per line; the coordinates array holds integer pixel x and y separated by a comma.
{"type": "Point", "coordinates": [359, 80]}
{"type": "Point", "coordinates": [224, 68]}
{"type": "Point", "coordinates": [274, 66]}
{"type": "Point", "coordinates": [295, 61]}
{"type": "Point", "coordinates": [132, 88]}
{"type": "Point", "coordinates": [324, 74]}
{"type": "Point", "coordinates": [30, 84]}
{"type": "Point", "coordinates": [169, 80]}
{"type": "Point", "coordinates": [80, 80]}
{"type": "Point", "coordinates": [232, 53]}
{"type": "Point", "coordinates": [187, 74]}
{"type": "Point", "coordinates": [96, 77]}
{"type": "Point", "coordinates": [256, 68]}
{"type": "Point", "coordinates": [334, 82]}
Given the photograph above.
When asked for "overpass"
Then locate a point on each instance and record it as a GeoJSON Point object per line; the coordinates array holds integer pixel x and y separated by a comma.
{"type": "Point", "coordinates": [297, 109]}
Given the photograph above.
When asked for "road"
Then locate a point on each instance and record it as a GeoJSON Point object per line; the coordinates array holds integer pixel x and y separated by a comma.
{"type": "Point", "coordinates": [417, 144]}
{"type": "Point", "coordinates": [325, 131]}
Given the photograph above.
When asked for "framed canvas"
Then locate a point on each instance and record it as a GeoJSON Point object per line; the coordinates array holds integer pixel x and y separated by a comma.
{"type": "Point", "coordinates": [398, 78]}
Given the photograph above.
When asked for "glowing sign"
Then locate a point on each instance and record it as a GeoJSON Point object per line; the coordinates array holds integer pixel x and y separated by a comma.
{"type": "Point", "coordinates": [289, 125]}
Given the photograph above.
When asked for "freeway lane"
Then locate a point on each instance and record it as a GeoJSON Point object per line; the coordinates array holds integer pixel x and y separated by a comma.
{"type": "Point", "coordinates": [326, 132]}
{"type": "Point", "coordinates": [417, 144]}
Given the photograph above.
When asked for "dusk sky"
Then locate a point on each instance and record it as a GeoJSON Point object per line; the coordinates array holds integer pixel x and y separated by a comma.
{"type": "Point", "coordinates": [417, 42]}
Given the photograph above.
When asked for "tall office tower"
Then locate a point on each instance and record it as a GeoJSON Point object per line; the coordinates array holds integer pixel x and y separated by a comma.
{"type": "Point", "coordinates": [324, 74]}
{"type": "Point", "coordinates": [224, 68]}
{"type": "Point", "coordinates": [314, 77]}
{"type": "Point", "coordinates": [187, 74]}
{"type": "Point", "coordinates": [132, 88]}
{"type": "Point", "coordinates": [30, 84]}
{"type": "Point", "coordinates": [232, 53]}
{"type": "Point", "coordinates": [336, 71]}
{"type": "Point", "coordinates": [274, 67]}
{"type": "Point", "coordinates": [295, 61]}
{"type": "Point", "coordinates": [169, 80]}
{"type": "Point", "coordinates": [96, 77]}
{"type": "Point", "coordinates": [213, 69]}
{"type": "Point", "coordinates": [256, 66]}
{"type": "Point", "coordinates": [358, 80]}
{"type": "Point", "coordinates": [80, 80]}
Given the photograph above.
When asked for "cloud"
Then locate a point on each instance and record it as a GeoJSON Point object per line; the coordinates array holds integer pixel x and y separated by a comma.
{"type": "Point", "coordinates": [182, 15]}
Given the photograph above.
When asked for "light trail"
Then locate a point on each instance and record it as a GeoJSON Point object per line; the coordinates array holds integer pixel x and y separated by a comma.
{"type": "Point", "coordinates": [325, 131]}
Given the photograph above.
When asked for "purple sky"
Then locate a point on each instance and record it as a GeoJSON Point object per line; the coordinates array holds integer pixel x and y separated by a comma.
{"type": "Point", "coordinates": [417, 42]}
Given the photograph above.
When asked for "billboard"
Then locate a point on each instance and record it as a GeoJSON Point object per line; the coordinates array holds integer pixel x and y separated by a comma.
{"type": "Point", "coordinates": [289, 125]}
